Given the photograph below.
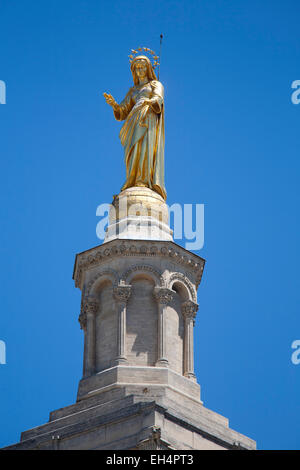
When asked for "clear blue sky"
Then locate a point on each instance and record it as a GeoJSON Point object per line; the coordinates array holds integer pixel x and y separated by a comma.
{"type": "Point", "coordinates": [232, 143]}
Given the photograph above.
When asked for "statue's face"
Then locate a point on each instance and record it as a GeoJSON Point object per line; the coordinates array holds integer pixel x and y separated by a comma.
{"type": "Point", "coordinates": [141, 69]}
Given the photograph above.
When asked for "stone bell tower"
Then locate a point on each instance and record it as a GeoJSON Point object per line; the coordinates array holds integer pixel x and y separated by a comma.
{"type": "Point", "coordinates": [139, 304]}
{"type": "Point", "coordinates": [138, 309]}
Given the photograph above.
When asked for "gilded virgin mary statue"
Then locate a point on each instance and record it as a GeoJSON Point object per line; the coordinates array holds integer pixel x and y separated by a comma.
{"type": "Point", "coordinates": [142, 134]}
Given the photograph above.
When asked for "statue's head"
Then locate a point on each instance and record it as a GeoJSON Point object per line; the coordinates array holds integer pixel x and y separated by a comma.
{"type": "Point", "coordinates": [141, 68]}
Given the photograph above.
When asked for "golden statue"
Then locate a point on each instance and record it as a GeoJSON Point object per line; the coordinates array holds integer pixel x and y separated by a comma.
{"type": "Point", "coordinates": [143, 133]}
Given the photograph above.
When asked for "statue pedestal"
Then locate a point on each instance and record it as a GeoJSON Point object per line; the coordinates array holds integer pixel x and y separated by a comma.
{"type": "Point", "coordinates": [138, 213]}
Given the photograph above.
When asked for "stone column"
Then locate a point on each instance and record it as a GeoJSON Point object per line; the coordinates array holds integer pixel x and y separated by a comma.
{"type": "Point", "coordinates": [87, 323]}
{"type": "Point", "coordinates": [121, 294]}
{"type": "Point", "coordinates": [163, 296]}
{"type": "Point", "coordinates": [189, 310]}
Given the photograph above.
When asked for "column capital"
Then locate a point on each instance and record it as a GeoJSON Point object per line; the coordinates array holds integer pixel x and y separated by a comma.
{"type": "Point", "coordinates": [91, 306]}
{"type": "Point", "coordinates": [122, 293]}
{"type": "Point", "coordinates": [82, 320]}
{"type": "Point", "coordinates": [189, 309]}
{"type": "Point", "coordinates": [163, 295]}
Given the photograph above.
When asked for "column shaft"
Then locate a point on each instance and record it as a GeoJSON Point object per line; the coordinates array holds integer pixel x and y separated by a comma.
{"type": "Point", "coordinates": [162, 353]}
{"type": "Point", "coordinates": [163, 296]}
{"type": "Point", "coordinates": [91, 345]}
{"type": "Point", "coordinates": [189, 310]}
{"type": "Point", "coordinates": [121, 343]}
{"type": "Point", "coordinates": [121, 294]}
{"type": "Point", "coordinates": [189, 348]}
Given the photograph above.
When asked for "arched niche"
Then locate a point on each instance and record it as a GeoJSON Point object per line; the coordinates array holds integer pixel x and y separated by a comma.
{"type": "Point", "coordinates": [105, 322]}
{"type": "Point", "coordinates": [142, 270]}
{"type": "Point", "coordinates": [175, 327]}
{"type": "Point", "coordinates": [141, 320]}
{"type": "Point", "coordinates": [94, 286]}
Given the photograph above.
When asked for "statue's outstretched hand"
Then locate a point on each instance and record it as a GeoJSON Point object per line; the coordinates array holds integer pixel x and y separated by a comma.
{"type": "Point", "coordinates": [110, 100]}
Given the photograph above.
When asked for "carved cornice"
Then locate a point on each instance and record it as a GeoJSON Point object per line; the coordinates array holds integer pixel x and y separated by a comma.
{"type": "Point", "coordinates": [163, 295]}
{"type": "Point", "coordinates": [127, 248]}
{"type": "Point", "coordinates": [189, 309]}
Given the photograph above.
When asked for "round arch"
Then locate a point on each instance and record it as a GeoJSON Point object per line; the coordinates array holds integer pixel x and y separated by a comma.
{"type": "Point", "coordinates": [183, 285]}
{"type": "Point", "coordinates": [136, 270]}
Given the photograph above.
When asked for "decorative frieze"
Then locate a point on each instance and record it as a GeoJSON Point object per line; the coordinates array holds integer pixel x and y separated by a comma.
{"type": "Point", "coordinates": [118, 248]}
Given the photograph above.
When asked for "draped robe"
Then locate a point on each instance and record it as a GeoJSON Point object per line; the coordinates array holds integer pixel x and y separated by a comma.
{"type": "Point", "coordinates": [143, 136]}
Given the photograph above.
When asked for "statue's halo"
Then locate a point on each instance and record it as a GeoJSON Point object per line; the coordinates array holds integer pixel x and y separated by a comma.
{"type": "Point", "coordinates": [136, 54]}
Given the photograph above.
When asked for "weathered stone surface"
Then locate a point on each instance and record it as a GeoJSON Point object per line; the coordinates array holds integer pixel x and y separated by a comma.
{"type": "Point", "coordinates": [128, 422]}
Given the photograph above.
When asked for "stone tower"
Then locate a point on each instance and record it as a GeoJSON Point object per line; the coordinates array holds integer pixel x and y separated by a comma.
{"type": "Point", "coordinates": [138, 309]}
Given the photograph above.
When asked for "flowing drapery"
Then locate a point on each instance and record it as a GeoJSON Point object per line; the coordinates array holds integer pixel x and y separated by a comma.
{"type": "Point", "coordinates": [142, 136]}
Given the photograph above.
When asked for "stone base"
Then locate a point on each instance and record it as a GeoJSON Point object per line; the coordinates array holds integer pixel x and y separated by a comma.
{"type": "Point", "coordinates": [141, 377]}
{"type": "Point", "coordinates": [138, 228]}
{"type": "Point", "coordinates": [134, 418]}
{"type": "Point", "coordinates": [138, 213]}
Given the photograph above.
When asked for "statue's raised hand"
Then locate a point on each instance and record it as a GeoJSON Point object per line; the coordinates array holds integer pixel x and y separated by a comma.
{"type": "Point", "coordinates": [110, 100]}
